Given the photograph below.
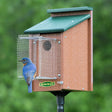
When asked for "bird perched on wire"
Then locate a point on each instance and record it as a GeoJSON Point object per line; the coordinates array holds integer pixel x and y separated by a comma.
{"type": "Point", "coordinates": [29, 71]}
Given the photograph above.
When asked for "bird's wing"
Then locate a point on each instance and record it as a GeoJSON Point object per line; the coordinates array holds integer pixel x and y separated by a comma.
{"type": "Point", "coordinates": [28, 72]}
{"type": "Point", "coordinates": [30, 76]}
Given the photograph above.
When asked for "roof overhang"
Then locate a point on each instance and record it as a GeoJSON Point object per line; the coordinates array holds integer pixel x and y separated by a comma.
{"type": "Point", "coordinates": [57, 24]}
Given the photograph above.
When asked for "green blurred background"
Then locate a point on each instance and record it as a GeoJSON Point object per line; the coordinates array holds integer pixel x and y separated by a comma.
{"type": "Point", "coordinates": [18, 15]}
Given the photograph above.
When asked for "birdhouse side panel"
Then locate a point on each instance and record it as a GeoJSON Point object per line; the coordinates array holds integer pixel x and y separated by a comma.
{"type": "Point", "coordinates": [76, 57]}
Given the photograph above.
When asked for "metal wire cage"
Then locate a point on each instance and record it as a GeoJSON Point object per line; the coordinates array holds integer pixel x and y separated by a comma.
{"type": "Point", "coordinates": [44, 53]}
{"type": "Point", "coordinates": [22, 51]}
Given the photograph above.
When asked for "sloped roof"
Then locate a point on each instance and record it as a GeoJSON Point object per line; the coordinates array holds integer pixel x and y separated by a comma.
{"type": "Point", "coordinates": [57, 24]}
{"type": "Point", "coordinates": [73, 9]}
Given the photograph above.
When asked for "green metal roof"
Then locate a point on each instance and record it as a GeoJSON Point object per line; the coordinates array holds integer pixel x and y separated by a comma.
{"type": "Point", "coordinates": [69, 9]}
{"type": "Point", "coordinates": [57, 24]}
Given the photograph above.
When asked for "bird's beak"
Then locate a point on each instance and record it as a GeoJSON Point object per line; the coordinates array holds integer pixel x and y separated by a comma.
{"type": "Point", "coordinates": [20, 61]}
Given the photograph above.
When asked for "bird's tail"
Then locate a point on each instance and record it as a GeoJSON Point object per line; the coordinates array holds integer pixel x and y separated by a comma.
{"type": "Point", "coordinates": [30, 88]}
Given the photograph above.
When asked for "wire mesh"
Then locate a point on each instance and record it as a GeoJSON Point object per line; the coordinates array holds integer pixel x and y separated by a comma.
{"type": "Point", "coordinates": [48, 59]}
{"type": "Point", "coordinates": [22, 51]}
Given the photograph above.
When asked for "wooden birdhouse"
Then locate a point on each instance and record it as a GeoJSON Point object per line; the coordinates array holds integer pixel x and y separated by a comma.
{"type": "Point", "coordinates": [61, 47]}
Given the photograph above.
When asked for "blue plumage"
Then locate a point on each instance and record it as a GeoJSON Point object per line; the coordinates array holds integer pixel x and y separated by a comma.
{"type": "Point", "coordinates": [29, 70]}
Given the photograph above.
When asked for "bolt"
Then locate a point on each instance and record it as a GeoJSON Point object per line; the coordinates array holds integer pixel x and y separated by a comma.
{"type": "Point", "coordinates": [60, 82]}
{"type": "Point", "coordinates": [65, 36]}
{"type": "Point", "coordinates": [82, 88]}
{"type": "Point", "coordinates": [34, 42]}
{"type": "Point", "coordinates": [59, 75]}
{"type": "Point", "coordinates": [59, 42]}
{"type": "Point", "coordinates": [68, 87]}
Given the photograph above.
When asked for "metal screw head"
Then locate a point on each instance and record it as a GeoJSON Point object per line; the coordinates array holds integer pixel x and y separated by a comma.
{"type": "Point", "coordinates": [82, 88]}
{"type": "Point", "coordinates": [60, 82]}
{"type": "Point", "coordinates": [65, 36]}
{"type": "Point", "coordinates": [59, 42]}
{"type": "Point", "coordinates": [34, 42]}
{"type": "Point", "coordinates": [68, 87]}
{"type": "Point", "coordinates": [59, 75]}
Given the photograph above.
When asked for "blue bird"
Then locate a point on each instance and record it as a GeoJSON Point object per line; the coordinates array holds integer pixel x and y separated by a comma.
{"type": "Point", "coordinates": [29, 71]}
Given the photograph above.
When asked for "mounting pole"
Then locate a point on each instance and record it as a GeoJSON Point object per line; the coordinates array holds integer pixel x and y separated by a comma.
{"type": "Point", "coordinates": [60, 99]}
{"type": "Point", "coordinates": [60, 103]}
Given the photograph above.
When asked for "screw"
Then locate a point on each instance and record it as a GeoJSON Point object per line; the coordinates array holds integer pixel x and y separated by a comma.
{"type": "Point", "coordinates": [34, 42]}
{"type": "Point", "coordinates": [59, 75]}
{"type": "Point", "coordinates": [65, 36]}
{"type": "Point", "coordinates": [82, 88]}
{"type": "Point", "coordinates": [60, 82]}
{"type": "Point", "coordinates": [59, 42]}
{"type": "Point", "coordinates": [68, 87]}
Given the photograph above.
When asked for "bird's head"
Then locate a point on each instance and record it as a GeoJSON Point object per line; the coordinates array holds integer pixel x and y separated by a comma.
{"type": "Point", "coordinates": [25, 60]}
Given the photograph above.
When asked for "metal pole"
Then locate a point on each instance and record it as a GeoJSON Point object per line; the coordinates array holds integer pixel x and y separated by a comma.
{"type": "Point", "coordinates": [60, 99]}
{"type": "Point", "coordinates": [60, 103]}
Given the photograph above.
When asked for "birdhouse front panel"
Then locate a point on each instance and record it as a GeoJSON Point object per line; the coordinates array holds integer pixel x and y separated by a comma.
{"type": "Point", "coordinates": [49, 63]}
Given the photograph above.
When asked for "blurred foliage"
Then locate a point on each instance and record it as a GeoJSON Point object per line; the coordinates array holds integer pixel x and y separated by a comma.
{"type": "Point", "coordinates": [18, 15]}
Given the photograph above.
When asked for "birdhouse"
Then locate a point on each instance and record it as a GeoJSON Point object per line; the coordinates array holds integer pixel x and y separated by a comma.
{"type": "Point", "coordinates": [61, 48]}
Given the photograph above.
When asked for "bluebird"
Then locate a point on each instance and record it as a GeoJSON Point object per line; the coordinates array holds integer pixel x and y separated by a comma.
{"type": "Point", "coordinates": [29, 71]}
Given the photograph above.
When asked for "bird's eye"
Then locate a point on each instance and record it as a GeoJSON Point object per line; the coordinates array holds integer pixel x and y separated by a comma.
{"type": "Point", "coordinates": [23, 59]}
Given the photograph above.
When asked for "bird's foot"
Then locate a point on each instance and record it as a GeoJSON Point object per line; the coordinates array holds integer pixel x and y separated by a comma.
{"type": "Point", "coordinates": [28, 84]}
